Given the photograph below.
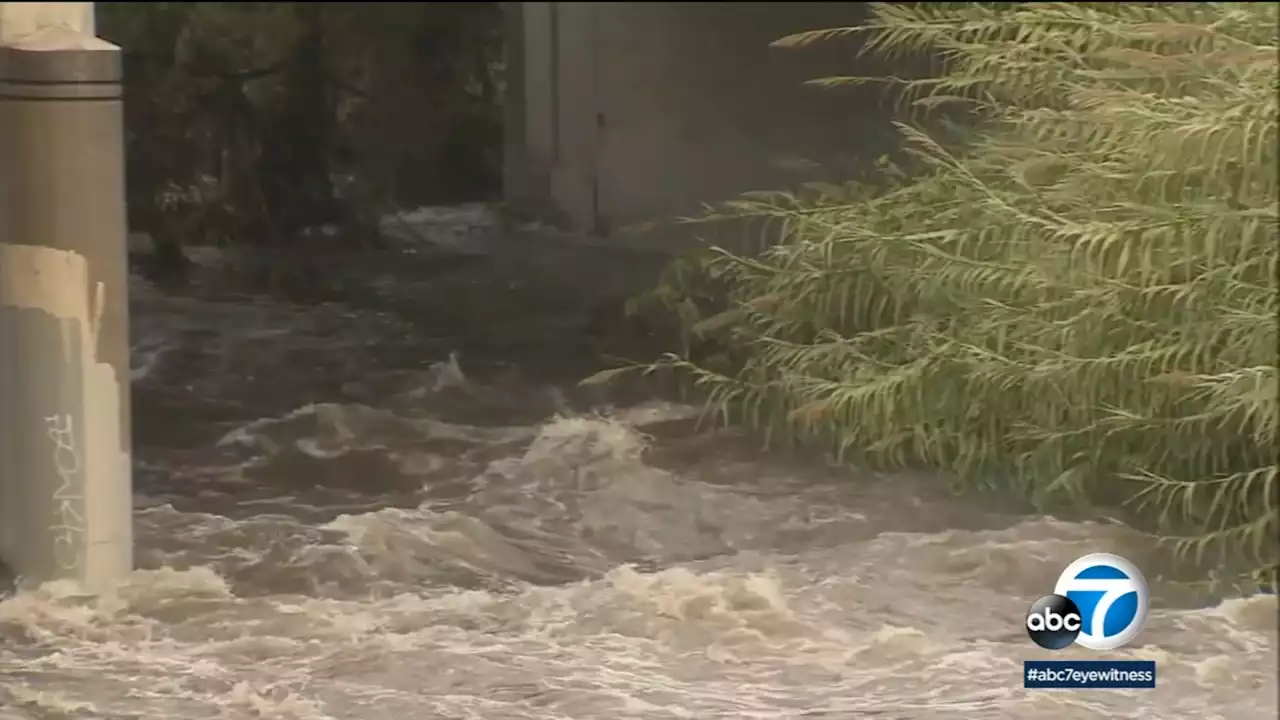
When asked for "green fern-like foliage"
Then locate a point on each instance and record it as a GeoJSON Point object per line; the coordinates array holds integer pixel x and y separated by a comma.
{"type": "Point", "coordinates": [1081, 302]}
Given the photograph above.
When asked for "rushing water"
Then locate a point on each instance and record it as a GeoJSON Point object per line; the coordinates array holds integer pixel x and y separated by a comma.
{"type": "Point", "coordinates": [373, 556]}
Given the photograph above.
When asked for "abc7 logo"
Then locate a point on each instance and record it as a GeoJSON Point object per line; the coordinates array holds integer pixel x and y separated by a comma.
{"type": "Point", "coordinates": [1054, 622]}
{"type": "Point", "coordinates": [1114, 595]}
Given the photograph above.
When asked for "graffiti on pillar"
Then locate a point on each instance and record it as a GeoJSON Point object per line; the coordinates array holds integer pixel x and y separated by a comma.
{"type": "Point", "coordinates": [67, 526]}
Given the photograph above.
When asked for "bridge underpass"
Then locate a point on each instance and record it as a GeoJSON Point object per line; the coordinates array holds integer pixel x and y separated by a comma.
{"type": "Point", "coordinates": [617, 113]}
{"type": "Point", "coordinates": [623, 113]}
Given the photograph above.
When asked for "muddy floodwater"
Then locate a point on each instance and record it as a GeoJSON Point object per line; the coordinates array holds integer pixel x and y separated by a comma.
{"type": "Point", "coordinates": [335, 520]}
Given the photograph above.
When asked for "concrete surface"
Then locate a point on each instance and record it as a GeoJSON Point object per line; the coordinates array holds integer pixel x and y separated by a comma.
{"type": "Point", "coordinates": [20, 18]}
{"type": "Point", "coordinates": [65, 497]}
{"type": "Point", "coordinates": [630, 112]}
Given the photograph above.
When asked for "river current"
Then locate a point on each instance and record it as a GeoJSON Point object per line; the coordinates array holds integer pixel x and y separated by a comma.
{"type": "Point", "coordinates": [329, 529]}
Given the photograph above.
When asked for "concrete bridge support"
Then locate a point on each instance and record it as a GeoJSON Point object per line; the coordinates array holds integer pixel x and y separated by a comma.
{"type": "Point", "coordinates": [65, 491]}
{"type": "Point", "coordinates": [626, 112]}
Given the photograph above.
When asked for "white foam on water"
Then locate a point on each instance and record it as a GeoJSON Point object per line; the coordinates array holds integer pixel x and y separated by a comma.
{"type": "Point", "coordinates": [570, 578]}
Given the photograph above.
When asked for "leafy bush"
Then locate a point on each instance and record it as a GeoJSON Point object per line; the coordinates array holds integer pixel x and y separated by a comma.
{"type": "Point", "coordinates": [1079, 303]}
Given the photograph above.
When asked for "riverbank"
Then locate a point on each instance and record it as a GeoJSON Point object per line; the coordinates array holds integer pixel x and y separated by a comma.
{"type": "Point", "coordinates": [1073, 302]}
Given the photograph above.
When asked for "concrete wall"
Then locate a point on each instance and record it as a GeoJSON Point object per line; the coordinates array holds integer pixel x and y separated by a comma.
{"type": "Point", "coordinates": [637, 111]}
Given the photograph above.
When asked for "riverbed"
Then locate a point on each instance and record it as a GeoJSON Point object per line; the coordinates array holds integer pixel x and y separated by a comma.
{"type": "Point", "coordinates": [399, 505]}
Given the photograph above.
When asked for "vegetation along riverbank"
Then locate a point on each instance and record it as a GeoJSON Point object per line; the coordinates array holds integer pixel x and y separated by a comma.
{"type": "Point", "coordinates": [1073, 299]}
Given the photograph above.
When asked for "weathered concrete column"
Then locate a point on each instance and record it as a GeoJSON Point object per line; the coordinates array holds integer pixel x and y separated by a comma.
{"type": "Point", "coordinates": [65, 476]}
{"type": "Point", "coordinates": [515, 170]}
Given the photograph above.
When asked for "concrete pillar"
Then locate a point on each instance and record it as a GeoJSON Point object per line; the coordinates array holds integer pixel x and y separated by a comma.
{"type": "Point", "coordinates": [513, 105]}
{"type": "Point", "coordinates": [65, 490]}
{"type": "Point", "coordinates": [538, 137]}
{"type": "Point", "coordinates": [577, 116]}
{"type": "Point", "coordinates": [23, 18]}
{"type": "Point", "coordinates": [522, 189]}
